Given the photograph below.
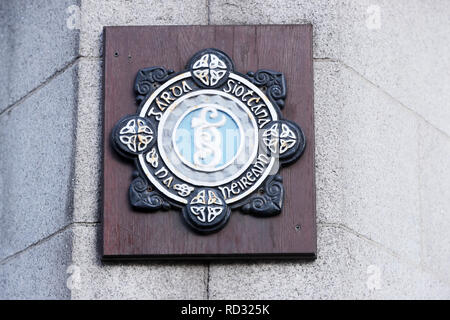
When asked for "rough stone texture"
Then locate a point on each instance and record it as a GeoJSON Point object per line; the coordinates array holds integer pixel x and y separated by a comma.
{"type": "Point", "coordinates": [435, 196]}
{"type": "Point", "coordinates": [138, 280]}
{"type": "Point", "coordinates": [39, 272]}
{"type": "Point", "coordinates": [347, 267]}
{"type": "Point", "coordinates": [367, 160]}
{"type": "Point", "coordinates": [404, 57]}
{"type": "Point", "coordinates": [97, 14]}
{"type": "Point", "coordinates": [39, 43]}
{"type": "Point", "coordinates": [87, 194]}
{"type": "Point", "coordinates": [4, 48]}
{"type": "Point", "coordinates": [36, 164]}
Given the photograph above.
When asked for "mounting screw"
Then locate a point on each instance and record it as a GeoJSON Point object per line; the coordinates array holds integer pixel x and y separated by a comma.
{"type": "Point", "coordinates": [116, 54]}
{"type": "Point", "coordinates": [297, 227]}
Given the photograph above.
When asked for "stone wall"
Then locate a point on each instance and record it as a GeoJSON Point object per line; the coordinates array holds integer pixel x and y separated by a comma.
{"type": "Point", "coordinates": [38, 112]}
{"type": "Point", "coordinates": [382, 117]}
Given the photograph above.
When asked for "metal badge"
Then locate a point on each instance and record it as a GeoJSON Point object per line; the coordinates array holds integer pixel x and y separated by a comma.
{"type": "Point", "coordinates": [208, 140]}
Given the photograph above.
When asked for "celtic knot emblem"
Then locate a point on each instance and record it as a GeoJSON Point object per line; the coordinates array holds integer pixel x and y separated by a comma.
{"type": "Point", "coordinates": [135, 134]}
{"type": "Point", "coordinates": [278, 141]}
{"type": "Point", "coordinates": [206, 204]}
{"type": "Point", "coordinates": [209, 69]}
{"type": "Point", "coordinates": [208, 140]}
{"type": "Point", "coordinates": [284, 138]}
{"type": "Point", "coordinates": [206, 209]}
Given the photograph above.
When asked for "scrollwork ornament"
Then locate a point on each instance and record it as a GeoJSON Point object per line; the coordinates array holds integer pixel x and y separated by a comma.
{"type": "Point", "coordinates": [273, 82]}
{"type": "Point", "coordinates": [143, 197]}
{"type": "Point", "coordinates": [148, 80]}
{"type": "Point", "coordinates": [268, 201]}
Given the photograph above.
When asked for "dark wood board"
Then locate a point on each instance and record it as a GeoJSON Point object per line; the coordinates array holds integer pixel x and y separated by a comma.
{"type": "Point", "coordinates": [129, 234]}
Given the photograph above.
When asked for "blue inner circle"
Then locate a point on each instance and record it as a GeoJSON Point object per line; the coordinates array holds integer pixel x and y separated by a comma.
{"type": "Point", "coordinates": [207, 139]}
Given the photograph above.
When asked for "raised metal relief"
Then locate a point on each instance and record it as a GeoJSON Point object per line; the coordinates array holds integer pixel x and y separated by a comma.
{"type": "Point", "coordinates": [208, 140]}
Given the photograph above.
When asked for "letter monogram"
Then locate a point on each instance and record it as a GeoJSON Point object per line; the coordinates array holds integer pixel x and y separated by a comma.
{"type": "Point", "coordinates": [207, 139]}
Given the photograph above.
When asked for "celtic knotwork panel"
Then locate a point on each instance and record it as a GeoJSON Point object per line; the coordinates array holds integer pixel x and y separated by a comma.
{"type": "Point", "coordinates": [285, 139]}
{"type": "Point", "coordinates": [210, 67]}
{"type": "Point", "coordinates": [136, 135]}
{"type": "Point", "coordinates": [206, 211]}
{"type": "Point", "coordinates": [207, 140]}
{"type": "Point", "coordinates": [279, 140]}
{"type": "Point", "coordinates": [133, 135]}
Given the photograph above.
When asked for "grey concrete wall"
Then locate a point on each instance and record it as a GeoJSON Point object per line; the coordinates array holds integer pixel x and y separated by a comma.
{"type": "Point", "coordinates": [38, 108]}
{"type": "Point", "coordinates": [382, 116]}
{"type": "Point", "coordinates": [38, 45]}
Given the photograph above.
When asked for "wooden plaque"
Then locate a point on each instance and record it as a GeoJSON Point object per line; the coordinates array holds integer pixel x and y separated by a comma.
{"type": "Point", "coordinates": [133, 234]}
